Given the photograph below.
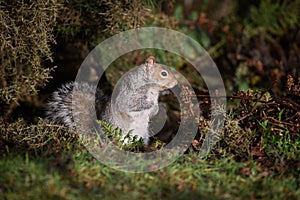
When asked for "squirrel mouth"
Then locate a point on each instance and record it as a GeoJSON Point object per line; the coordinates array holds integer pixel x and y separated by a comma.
{"type": "Point", "coordinates": [164, 87]}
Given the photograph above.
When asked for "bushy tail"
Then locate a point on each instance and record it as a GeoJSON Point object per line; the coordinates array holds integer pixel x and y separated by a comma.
{"type": "Point", "coordinates": [76, 103]}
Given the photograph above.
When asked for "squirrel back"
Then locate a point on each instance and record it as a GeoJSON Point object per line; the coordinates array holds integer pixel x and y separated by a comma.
{"type": "Point", "coordinates": [132, 105]}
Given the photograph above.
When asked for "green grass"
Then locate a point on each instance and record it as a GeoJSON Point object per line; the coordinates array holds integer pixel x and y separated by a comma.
{"type": "Point", "coordinates": [76, 174]}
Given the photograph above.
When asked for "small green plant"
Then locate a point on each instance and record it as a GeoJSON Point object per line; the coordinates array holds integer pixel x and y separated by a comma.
{"type": "Point", "coordinates": [129, 142]}
{"type": "Point", "coordinates": [279, 142]}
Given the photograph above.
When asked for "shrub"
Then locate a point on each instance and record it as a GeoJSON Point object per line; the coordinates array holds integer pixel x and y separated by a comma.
{"type": "Point", "coordinates": [25, 35]}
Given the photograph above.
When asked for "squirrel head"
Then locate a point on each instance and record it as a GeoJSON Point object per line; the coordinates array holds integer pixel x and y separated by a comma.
{"type": "Point", "coordinates": [160, 74]}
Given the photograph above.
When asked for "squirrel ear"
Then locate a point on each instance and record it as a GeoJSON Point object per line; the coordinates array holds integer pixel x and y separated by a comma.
{"type": "Point", "coordinates": [150, 63]}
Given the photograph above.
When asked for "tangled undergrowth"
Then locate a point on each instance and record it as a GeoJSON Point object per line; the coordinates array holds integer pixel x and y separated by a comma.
{"type": "Point", "coordinates": [258, 126]}
{"type": "Point", "coordinates": [261, 127]}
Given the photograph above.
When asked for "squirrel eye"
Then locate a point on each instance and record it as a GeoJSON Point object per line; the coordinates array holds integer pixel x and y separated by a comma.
{"type": "Point", "coordinates": [164, 73]}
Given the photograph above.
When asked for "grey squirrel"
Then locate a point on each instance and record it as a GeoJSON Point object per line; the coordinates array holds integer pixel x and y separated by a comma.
{"type": "Point", "coordinates": [132, 105]}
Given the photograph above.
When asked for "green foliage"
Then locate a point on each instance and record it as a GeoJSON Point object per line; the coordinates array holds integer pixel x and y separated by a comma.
{"type": "Point", "coordinates": [200, 36]}
{"type": "Point", "coordinates": [242, 77]}
{"type": "Point", "coordinates": [153, 3]}
{"type": "Point", "coordinates": [129, 142]}
{"type": "Point", "coordinates": [178, 12]}
{"type": "Point", "coordinates": [280, 143]}
{"type": "Point", "coordinates": [40, 138]}
{"type": "Point", "coordinates": [251, 129]}
{"type": "Point", "coordinates": [25, 35]}
{"type": "Point", "coordinates": [274, 17]}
